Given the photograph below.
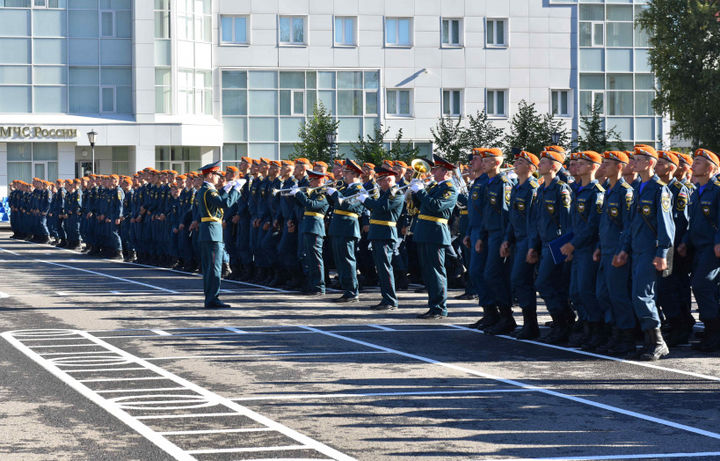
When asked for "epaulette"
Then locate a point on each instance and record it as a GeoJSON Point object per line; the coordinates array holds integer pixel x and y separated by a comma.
{"type": "Point", "coordinates": [716, 182]}
{"type": "Point", "coordinates": [661, 183]}
{"type": "Point", "coordinates": [561, 183]}
{"type": "Point", "coordinates": [448, 183]}
{"type": "Point", "coordinates": [626, 185]}
{"type": "Point", "coordinates": [504, 178]}
{"type": "Point", "coordinates": [599, 187]}
{"type": "Point", "coordinates": [678, 184]}
{"type": "Point", "coordinates": [533, 182]}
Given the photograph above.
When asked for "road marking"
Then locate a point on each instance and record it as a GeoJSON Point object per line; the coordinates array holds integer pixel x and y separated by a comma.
{"type": "Point", "coordinates": [153, 389]}
{"type": "Point", "coordinates": [246, 450]}
{"type": "Point", "coordinates": [637, 456]}
{"type": "Point", "coordinates": [511, 382]}
{"type": "Point", "coordinates": [161, 332]}
{"type": "Point", "coordinates": [236, 330]}
{"type": "Point", "coordinates": [99, 273]}
{"type": "Point", "coordinates": [192, 415]}
{"type": "Point", "coordinates": [104, 380]}
{"type": "Point", "coordinates": [379, 394]}
{"type": "Point", "coordinates": [598, 356]}
{"type": "Point", "coordinates": [4, 295]}
{"type": "Point", "coordinates": [280, 354]}
{"type": "Point", "coordinates": [62, 345]}
{"type": "Point", "coordinates": [381, 327]}
{"type": "Point", "coordinates": [92, 370]}
{"type": "Point", "coordinates": [218, 431]}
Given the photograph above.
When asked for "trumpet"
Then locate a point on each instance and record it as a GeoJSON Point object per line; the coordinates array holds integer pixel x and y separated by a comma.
{"type": "Point", "coordinates": [426, 183]}
{"type": "Point", "coordinates": [286, 192]}
{"type": "Point", "coordinates": [375, 190]}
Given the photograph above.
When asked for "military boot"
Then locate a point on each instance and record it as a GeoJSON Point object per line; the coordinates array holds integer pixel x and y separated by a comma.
{"type": "Point", "coordinates": [598, 336]}
{"type": "Point", "coordinates": [505, 325]}
{"type": "Point", "coordinates": [625, 344]}
{"type": "Point", "coordinates": [679, 332]}
{"type": "Point", "coordinates": [560, 330]}
{"type": "Point", "coordinates": [711, 339]}
{"type": "Point", "coordinates": [656, 346]}
{"type": "Point", "coordinates": [610, 341]}
{"type": "Point", "coordinates": [225, 270]}
{"type": "Point", "coordinates": [530, 329]}
{"type": "Point", "coordinates": [490, 317]}
{"type": "Point", "coordinates": [580, 333]}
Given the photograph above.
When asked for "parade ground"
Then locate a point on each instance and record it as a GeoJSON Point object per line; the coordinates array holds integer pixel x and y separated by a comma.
{"type": "Point", "coordinates": [104, 360]}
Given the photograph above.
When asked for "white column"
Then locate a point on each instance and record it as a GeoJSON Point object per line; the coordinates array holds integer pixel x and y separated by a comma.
{"type": "Point", "coordinates": [3, 169]}
{"type": "Point", "coordinates": [144, 157]}
{"type": "Point", "coordinates": [66, 160]}
{"type": "Point", "coordinates": [144, 68]}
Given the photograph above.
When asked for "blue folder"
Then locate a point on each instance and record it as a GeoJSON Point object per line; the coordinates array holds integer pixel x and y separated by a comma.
{"type": "Point", "coordinates": [555, 245]}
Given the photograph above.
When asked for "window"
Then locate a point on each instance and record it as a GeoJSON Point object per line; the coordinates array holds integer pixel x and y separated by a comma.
{"type": "Point", "coordinates": [592, 34]}
{"type": "Point", "coordinates": [452, 103]}
{"type": "Point", "coordinates": [590, 98]}
{"type": "Point", "coordinates": [44, 3]}
{"type": "Point", "coordinates": [398, 32]}
{"type": "Point", "coordinates": [194, 21]}
{"type": "Point", "coordinates": [398, 103]}
{"type": "Point", "coordinates": [233, 29]}
{"type": "Point", "coordinates": [107, 99]}
{"type": "Point", "coordinates": [560, 103]}
{"type": "Point", "coordinates": [162, 19]}
{"type": "Point", "coordinates": [496, 32]}
{"type": "Point", "coordinates": [163, 91]}
{"type": "Point", "coordinates": [345, 31]}
{"type": "Point", "coordinates": [495, 104]}
{"type": "Point", "coordinates": [451, 32]}
{"type": "Point", "coordinates": [107, 23]}
{"type": "Point", "coordinates": [292, 102]}
{"type": "Point", "coordinates": [291, 30]}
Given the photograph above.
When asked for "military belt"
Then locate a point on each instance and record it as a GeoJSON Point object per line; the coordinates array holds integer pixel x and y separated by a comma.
{"type": "Point", "coordinates": [312, 213]}
{"type": "Point", "coordinates": [425, 217]}
{"type": "Point", "coordinates": [211, 219]}
{"type": "Point", "coordinates": [463, 212]}
{"type": "Point", "coordinates": [346, 213]}
{"type": "Point", "coordinates": [383, 223]}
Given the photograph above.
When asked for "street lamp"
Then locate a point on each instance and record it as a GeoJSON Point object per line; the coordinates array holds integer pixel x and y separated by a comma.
{"type": "Point", "coordinates": [331, 139]}
{"type": "Point", "coordinates": [91, 137]}
{"type": "Point", "coordinates": [555, 138]}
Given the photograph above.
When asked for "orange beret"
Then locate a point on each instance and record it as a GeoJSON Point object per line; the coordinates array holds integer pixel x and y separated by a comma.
{"type": "Point", "coordinates": [684, 158]}
{"type": "Point", "coordinates": [617, 155]}
{"type": "Point", "coordinates": [708, 155]}
{"type": "Point", "coordinates": [400, 163]}
{"type": "Point", "coordinates": [232, 168]}
{"type": "Point", "coordinates": [528, 156]}
{"type": "Point", "coordinates": [488, 152]}
{"type": "Point", "coordinates": [275, 163]}
{"type": "Point", "coordinates": [369, 165]}
{"type": "Point", "coordinates": [668, 156]}
{"type": "Point", "coordinates": [590, 156]}
{"type": "Point", "coordinates": [644, 149]}
{"type": "Point", "coordinates": [303, 160]}
{"type": "Point", "coordinates": [553, 155]}
{"type": "Point", "coordinates": [287, 162]}
{"type": "Point", "coordinates": [321, 163]}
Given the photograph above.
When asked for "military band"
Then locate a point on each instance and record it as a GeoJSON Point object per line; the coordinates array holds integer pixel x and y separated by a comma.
{"type": "Point", "coordinates": [616, 244]}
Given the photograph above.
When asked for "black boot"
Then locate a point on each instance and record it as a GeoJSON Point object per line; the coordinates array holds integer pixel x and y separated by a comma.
{"type": "Point", "coordinates": [114, 255]}
{"type": "Point", "coordinates": [560, 330]}
{"type": "Point", "coordinates": [505, 325]}
{"type": "Point", "coordinates": [679, 333]}
{"type": "Point", "coordinates": [278, 277]}
{"type": "Point", "coordinates": [711, 339]}
{"type": "Point", "coordinates": [490, 317]}
{"type": "Point", "coordinates": [402, 282]}
{"type": "Point", "coordinates": [580, 334]}
{"type": "Point", "coordinates": [225, 270]}
{"type": "Point", "coordinates": [610, 342]}
{"type": "Point", "coordinates": [656, 346]}
{"type": "Point", "coordinates": [599, 334]}
{"type": "Point", "coordinates": [625, 344]}
{"type": "Point", "coordinates": [530, 329]}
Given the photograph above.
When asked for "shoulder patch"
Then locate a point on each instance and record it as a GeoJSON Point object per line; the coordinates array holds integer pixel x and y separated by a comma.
{"type": "Point", "coordinates": [534, 183]}
{"type": "Point", "coordinates": [448, 193]}
{"type": "Point", "coordinates": [626, 186]}
{"type": "Point", "coordinates": [599, 187]}
{"type": "Point", "coordinates": [661, 183]}
{"type": "Point", "coordinates": [665, 201]}
{"type": "Point", "coordinates": [678, 184]}
{"type": "Point", "coordinates": [448, 183]}
{"type": "Point", "coordinates": [716, 182]}
{"type": "Point", "coordinates": [561, 182]}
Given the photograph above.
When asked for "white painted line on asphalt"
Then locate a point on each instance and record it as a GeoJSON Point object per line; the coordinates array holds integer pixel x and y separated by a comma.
{"type": "Point", "coordinates": [47, 354]}
{"type": "Point", "coordinates": [245, 450]}
{"type": "Point", "coordinates": [104, 380]}
{"type": "Point", "coordinates": [152, 389]}
{"type": "Point", "coordinates": [4, 295]}
{"type": "Point", "coordinates": [120, 414]}
{"type": "Point", "coordinates": [599, 356]}
{"type": "Point", "coordinates": [511, 382]}
{"type": "Point", "coordinates": [381, 327]}
{"type": "Point", "coordinates": [161, 332]}
{"type": "Point", "coordinates": [235, 330]}
{"type": "Point", "coordinates": [62, 345]}
{"type": "Point", "coordinates": [91, 370]}
{"type": "Point", "coordinates": [218, 431]}
{"type": "Point", "coordinates": [280, 354]}
{"type": "Point", "coordinates": [100, 274]}
{"type": "Point", "coordinates": [11, 252]}
{"type": "Point", "coordinates": [379, 394]}
{"type": "Point", "coordinates": [701, 454]}
{"type": "Point", "coordinates": [191, 415]}
{"type": "Point", "coordinates": [63, 293]}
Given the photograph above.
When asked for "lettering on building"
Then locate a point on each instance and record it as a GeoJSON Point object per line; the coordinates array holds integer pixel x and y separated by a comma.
{"type": "Point", "coordinates": [36, 132]}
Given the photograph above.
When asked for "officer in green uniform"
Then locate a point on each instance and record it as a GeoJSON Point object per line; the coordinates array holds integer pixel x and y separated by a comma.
{"type": "Point", "coordinates": [211, 203]}
{"type": "Point", "coordinates": [432, 234]}
{"type": "Point", "coordinates": [383, 235]}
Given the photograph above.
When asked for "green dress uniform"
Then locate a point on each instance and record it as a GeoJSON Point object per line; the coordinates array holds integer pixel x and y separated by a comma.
{"type": "Point", "coordinates": [344, 232]}
{"type": "Point", "coordinates": [385, 212]}
{"type": "Point", "coordinates": [313, 235]}
{"type": "Point", "coordinates": [211, 207]}
{"type": "Point", "coordinates": [432, 236]}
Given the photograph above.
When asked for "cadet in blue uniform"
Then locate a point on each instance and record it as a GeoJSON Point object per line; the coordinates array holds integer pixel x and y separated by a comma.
{"type": "Point", "coordinates": [496, 206]}
{"type": "Point", "coordinates": [550, 220]}
{"type": "Point", "coordinates": [585, 218]}
{"type": "Point", "coordinates": [650, 238]}
{"type": "Point", "coordinates": [384, 214]}
{"type": "Point", "coordinates": [344, 230]}
{"type": "Point", "coordinates": [312, 230]}
{"type": "Point", "coordinates": [703, 238]}
{"type": "Point", "coordinates": [211, 203]}
{"type": "Point", "coordinates": [432, 235]}
{"type": "Point", "coordinates": [522, 202]}
{"type": "Point", "coordinates": [613, 283]}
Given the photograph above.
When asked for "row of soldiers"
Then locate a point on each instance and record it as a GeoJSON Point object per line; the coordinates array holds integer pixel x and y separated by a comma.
{"type": "Point", "coordinates": [612, 242]}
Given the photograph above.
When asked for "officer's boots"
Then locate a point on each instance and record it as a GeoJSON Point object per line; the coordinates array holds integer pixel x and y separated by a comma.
{"type": "Point", "coordinates": [625, 345]}
{"type": "Point", "coordinates": [114, 254]}
{"type": "Point", "coordinates": [225, 270]}
{"type": "Point", "coordinates": [679, 331]}
{"type": "Point", "coordinates": [132, 257]}
{"type": "Point", "coordinates": [490, 317]}
{"type": "Point", "coordinates": [278, 277]}
{"type": "Point", "coordinates": [711, 339]}
{"type": "Point", "coordinates": [530, 329]}
{"type": "Point", "coordinates": [610, 342]}
{"type": "Point", "coordinates": [580, 334]}
{"type": "Point", "coordinates": [505, 325]}
{"type": "Point", "coordinates": [402, 282]}
{"type": "Point", "coordinates": [597, 337]}
{"type": "Point", "coordinates": [560, 330]}
{"type": "Point", "coordinates": [655, 346]}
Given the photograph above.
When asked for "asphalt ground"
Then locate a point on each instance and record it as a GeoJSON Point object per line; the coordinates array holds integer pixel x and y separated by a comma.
{"type": "Point", "coordinates": [107, 360]}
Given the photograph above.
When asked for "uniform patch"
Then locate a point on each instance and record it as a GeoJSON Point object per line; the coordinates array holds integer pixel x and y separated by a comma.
{"type": "Point", "coordinates": [614, 212]}
{"type": "Point", "coordinates": [475, 195]}
{"type": "Point", "coordinates": [646, 210]}
{"type": "Point", "coordinates": [565, 196]}
{"type": "Point", "coordinates": [493, 200]}
{"type": "Point", "coordinates": [447, 194]}
{"type": "Point", "coordinates": [665, 202]}
{"type": "Point", "coordinates": [550, 208]}
{"type": "Point", "coordinates": [520, 205]}
{"type": "Point", "coordinates": [682, 201]}
{"type": "Point", "coordinates": [581, 207]}
{"type": "Point", "coordinates": [706, 210]}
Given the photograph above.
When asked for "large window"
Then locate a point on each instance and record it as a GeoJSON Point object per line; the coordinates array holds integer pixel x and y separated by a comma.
{"type": "Point", "coordinates": [163, 91]}
{"type": "Point", "coordinates": [345, 31]}
{"type": "Point", "coordinates": [496, 103]}
{"type": "Point", "coordinates": [291, 30]}
{"type": "Point", "coordinates": [194, 21]}
{"type": "Point", "coordinates": [398, 103]}
{"type": "Point", "coordinates": [398, 31]}
{"type": "Point", "coordinates": [452, 103]}
{"type": "Point", "coordinates": [194, 92]}
{"type": "Point", "coordinates": [162, 19]}
{"type": "Point", "coordinates": [496, 32]}
{"type": "Point", "coordinates": [451, 32]}
{"type": "Point", "coordinates": [28, 160]}
{"type": "Point", "coordinates": [180, 159]}
{"type": "Point", "coordinates": [233, 30]}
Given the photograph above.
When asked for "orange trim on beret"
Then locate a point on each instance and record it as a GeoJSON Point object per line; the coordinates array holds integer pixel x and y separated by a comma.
{"type": "Point", "coordinates": [489, 152]}
{"type": "Point", "coordinates": [590, 156]}
{"type": "Point", "coordinates": [685, 158]}
{"type": "Point", "coordinates": [303, 160]}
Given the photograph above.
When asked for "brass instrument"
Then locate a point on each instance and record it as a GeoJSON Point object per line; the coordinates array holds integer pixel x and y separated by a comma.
{"type": "Point", "coordinates": [375, 192]}
{"type": "Point", "coordinates": [307, 189]}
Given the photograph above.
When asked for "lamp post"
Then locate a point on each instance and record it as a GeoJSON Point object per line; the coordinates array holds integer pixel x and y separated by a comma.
{"type": "Point", "coordinates": [555, 138]}
{"type": "Point", "coordinates": [332, 141]}
{"type": "Point", "coordinates": [91, 137]}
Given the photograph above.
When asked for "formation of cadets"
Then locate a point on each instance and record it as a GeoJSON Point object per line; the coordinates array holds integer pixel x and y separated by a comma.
{"type": "Point", "coordinates": [614, 243]}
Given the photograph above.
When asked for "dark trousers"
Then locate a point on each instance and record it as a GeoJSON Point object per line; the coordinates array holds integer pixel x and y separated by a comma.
{"type": "Point", "coordinates": [705, 278]}
{"type": "Point", "coordinates": [313, 262]}
{"type": "Point", "coordinates": [432, 261]}
{"type": "Point", "coordinates": [497, 269]}
{"type": "Point", "coordinates": [211, 254]}
{"type": "Point", "coordinates": [549, 284]}
{"type": "Point", "coordinates": [383, 251]}
{"type": "Point", "coordinates": [521, 278]}
{"type": "Point", "coordinates": [582, 285]}
{"type": "Point", "coordinates": [644, 279]}
{"type": "Point", "coordinates": [613, 293]}
{"type": "Point", "coordinates": [343, 249]}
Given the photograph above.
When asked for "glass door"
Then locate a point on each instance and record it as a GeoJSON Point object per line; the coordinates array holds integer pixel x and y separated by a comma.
{"type": "Point", "coordinates": [40, 169]}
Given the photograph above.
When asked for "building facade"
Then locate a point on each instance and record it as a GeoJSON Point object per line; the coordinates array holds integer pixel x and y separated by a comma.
{"type": "Point", "coordinates": [173, 84]}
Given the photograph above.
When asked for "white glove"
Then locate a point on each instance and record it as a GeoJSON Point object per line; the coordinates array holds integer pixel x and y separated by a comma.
{"type": "Point", "coordinates": [239, 184]}
{"type": "Point", "coordinates": [331, 190]}
{"type": "Point", "coordinates": [416, 186]}
{"type": "Point", "coordinates": [294, 191]}
{"type": "Point", "coordinates": [228, 186]}
{"type": "Point", "coordinates": [363, 196]}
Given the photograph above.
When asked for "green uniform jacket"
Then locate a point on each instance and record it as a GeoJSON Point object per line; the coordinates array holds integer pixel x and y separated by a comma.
{"type": "Point", "coordinates": [436, 204]}
{"type": "Point", "coordinates": [210, 204]}
{"type": "Point", "coordinates": [341, 224]}
{"type": "Point", "coordinates": [384, 214]}
{"type": "Point", "coordinates": [316, 206]}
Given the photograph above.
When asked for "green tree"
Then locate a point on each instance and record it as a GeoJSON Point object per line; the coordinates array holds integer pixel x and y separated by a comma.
{"type": "Point", "coordinates": [371, 148]}
{"type": "Point", "coordinates": [313, 134]}
{"type": "Point", "coordinates": [684, 38]}
{"type": "Point", "coordinates": [594, 136]}
{"type": "Point", "coordinates": [481, 132]}
{"type": "Point", "coordinates": [400, 150]}
{"type": "Point", "coordinates": [449, 139]}
{"type": "Point", "coordinates": [531, 131]}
